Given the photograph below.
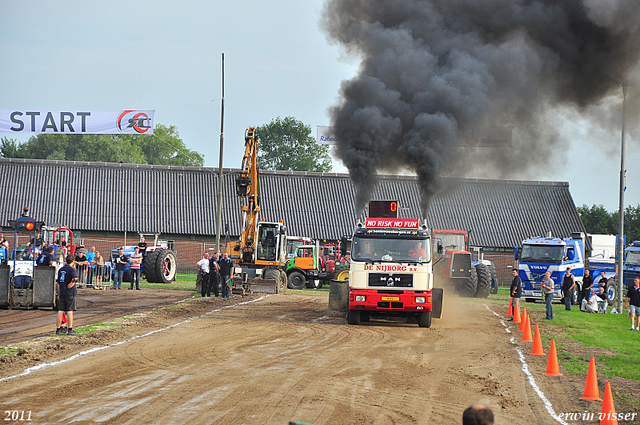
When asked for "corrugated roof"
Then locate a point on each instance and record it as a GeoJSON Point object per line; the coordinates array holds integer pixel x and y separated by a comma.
{"type": "Point", "coordinates": [110, 197]}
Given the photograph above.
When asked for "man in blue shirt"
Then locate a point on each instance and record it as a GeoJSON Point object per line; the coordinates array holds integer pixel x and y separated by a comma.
{"type": "Point", "coordinates": [67, 292]}
{"type": "Point", "coordinates": [92, 265]}
{"type": "Point", "coordinates": [226, 273]}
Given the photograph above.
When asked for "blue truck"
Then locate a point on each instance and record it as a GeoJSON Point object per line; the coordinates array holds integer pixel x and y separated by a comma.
{"type": "Point", "coordinates": [539, 255]}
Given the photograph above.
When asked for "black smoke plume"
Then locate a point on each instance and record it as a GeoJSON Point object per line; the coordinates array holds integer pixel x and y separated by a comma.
{"type": "Point", "coordinates": [430, 70]}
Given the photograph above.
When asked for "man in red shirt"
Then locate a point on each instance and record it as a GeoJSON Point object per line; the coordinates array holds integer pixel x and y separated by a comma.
{"type": "Point", "coordinates": [135, 259]}
{"type": "Point", "coordinates": [417, 251]}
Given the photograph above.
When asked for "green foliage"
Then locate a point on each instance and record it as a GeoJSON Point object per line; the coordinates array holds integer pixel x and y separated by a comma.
{"type": "Point", "coordinates": [162, 148]}
{"type": "Point", "coordinates": [287, 144]}
{"type": "Point", "coordinates": [598, 220]}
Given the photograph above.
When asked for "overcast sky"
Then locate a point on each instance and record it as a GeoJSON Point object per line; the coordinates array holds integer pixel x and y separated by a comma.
{"type": "Point", "coordinates": [166, 56]}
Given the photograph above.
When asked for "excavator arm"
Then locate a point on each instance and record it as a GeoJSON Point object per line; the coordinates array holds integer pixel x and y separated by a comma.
{"type": "Point", "coordinates": [247, 190]}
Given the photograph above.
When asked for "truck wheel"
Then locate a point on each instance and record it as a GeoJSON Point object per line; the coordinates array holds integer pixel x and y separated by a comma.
{"type": "Point", "coordinates": [341, 274]}
{"type": "Point", "coordinates": [484, 281]}
{"type": "Point", "coordinates": [574, 296]}
{"type": "Point", "coordinates": [424, 319]}
{"type": "Point", "coordinates": [469, 285]}
{"type": "Point", "coordinates": [353, 317]}
{"type": "Point", "coordinates": [283, 280]}
{"type": "Point", "coordinates": [494, 279]}
{"type": "Point", "coordinates": [272, 274]}
{"type": "Point", "coordinates": [296, 280]}
{"type": "Point", "coordinates": [612, 292]}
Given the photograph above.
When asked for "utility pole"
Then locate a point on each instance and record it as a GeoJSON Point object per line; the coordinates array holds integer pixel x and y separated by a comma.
{"type": "Point", "coordinates": [219, 212]}
{"type": "Point", "coordinates": [623, 171]}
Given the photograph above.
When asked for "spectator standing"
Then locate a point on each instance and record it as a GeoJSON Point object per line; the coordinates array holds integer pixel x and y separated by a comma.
{"type": "Point", "coordinates": [633, 302]}
{"type": "Point", "coordinates": [203, 265]}
{"type": "Point", "coordinates": [81, 267]}
{"type": "Point", "coordinates": [3, 242]}
{"type": "Point", "coordinates": [67, 293]}
{"type": "Point", "coordinates": [214, 273]}
{"type": "Point", "coordinates": [121, 262]}
{"type": "Point", "coordinates": [548, 291]}
{"type": "Point", "coordinates": [99, 264]}
{"type": "Point", "coordinates": [91, 265]}
{"type": "Point", "coordinates": [142, 245]}
{"type": "Point", "coordinates": [587, 283]}
{"type": "Point", "coordinates": [136, 260]}
{"type": "Point", "coordinates": [568, 283]}
{"type": "Point", "coordinates": [226, 273]}
{"type": "Point", "coordinates": [46, 258]}
{"type": "Point", "coordinates": [515, 291]}
{"type": "Point", "coordinates": [477, 415]}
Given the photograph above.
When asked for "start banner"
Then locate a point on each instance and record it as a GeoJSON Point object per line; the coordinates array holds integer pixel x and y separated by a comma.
{"type": "Point", "coordinates": [128, 121]}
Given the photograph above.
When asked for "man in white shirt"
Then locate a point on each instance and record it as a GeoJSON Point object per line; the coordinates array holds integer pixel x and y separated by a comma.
{"type": "Point", "coordinates": [203, 265]}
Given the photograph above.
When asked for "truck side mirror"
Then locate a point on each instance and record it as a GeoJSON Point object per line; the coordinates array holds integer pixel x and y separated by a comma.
{"type": "Point", "coordinates": [439, 248]}
{"type": "Point", "coordinates": [516, 254]}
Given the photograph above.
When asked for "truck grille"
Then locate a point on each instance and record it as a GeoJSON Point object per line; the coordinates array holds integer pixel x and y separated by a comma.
{"type": "Point", "coordinates": [391, 280]}
{"type": "Point", "coordinates": [387, 304]}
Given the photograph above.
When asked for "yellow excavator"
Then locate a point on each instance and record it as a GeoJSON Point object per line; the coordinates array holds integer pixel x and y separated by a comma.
{"type": "Point", "coordinates": [261, 250]}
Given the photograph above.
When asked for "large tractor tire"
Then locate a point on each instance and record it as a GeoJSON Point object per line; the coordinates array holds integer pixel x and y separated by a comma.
{"type": "Point", "coordinates": [469, 285]}
{"type": "Point", "coordinates": [160, 266]}
{"type": "Point", "coordinates": [341, 274]}
{"type": "Point", "coordinates": [484, 281]}
{"type": "Point", "coordinates": [273, 274]}
{"type": "Point", "coordinates": [494, 279]}
{"type": "Point", "coordinates": [296, 280]}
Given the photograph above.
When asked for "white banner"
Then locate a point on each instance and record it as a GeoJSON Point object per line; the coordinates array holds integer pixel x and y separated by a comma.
{"type": "Point", "coordinates": [324, 135]}
{"type": "Point", "coordinates": [129, 121]}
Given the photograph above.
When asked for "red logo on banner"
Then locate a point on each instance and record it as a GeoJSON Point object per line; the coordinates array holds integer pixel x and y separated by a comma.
{"type": "Point", "coordinates": [393, 223]}
{"type": "Point", "coordinates": [138, 121]}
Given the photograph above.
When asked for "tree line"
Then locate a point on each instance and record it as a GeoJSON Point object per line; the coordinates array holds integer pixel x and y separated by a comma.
{"type": "Point", "coordinates": [598, 220]}
{"type": "Point", "coordinates": [283, 144]}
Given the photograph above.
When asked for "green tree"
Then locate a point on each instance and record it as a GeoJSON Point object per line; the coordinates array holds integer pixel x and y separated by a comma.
{"type": "Point", "coordinates": [287, 144]}
{"type": "Point", "coordinates": [632, 223]}
{"type": "Point", "coordinates": [598, 220]}
{"type": "Point", "coordinates": [162, 148]}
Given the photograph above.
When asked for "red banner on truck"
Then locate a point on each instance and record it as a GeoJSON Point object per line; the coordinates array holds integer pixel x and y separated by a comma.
{"type": "Point", "coordinates": [393, 223]}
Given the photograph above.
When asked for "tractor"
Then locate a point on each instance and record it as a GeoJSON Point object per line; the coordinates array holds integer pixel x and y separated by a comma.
{"type": "Point", "coordinates": [159, 264]}
{"type": "Point", "coordinates": [313, 266]}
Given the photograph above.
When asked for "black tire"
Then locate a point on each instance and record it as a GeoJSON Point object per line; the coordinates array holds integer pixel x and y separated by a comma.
{"type": "Point", "coordinates": [296, 280]}
{"type": "Point", "coordinates": [494, 279]}
{"type": "Point", "coordinates": [273, 274]}
{"type": "Point", "coordinates": [612, 291]}
{"type": "Point", "coordinates": [469, 286]}
{"type": "Point", "coordinates": [424, 319]}
{"type": "Point", "coordinates": [160, 266]}
{"type": "Point", "coordinates": [353, 317]}
{"type": "Point", "coordinates": [575, 292]}
{"type": "Point", "coordinates": [341, 274]}
{"type": "Point", "coordinates": [484, 281]}
{"type": "Point", "coordinates": [282, 285]}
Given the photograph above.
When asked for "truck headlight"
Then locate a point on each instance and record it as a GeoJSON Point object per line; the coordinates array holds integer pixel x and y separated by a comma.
{"type": "Point", "coordinates": [361, 298]}
{"type": "Point", "coordinates": [420, 300]}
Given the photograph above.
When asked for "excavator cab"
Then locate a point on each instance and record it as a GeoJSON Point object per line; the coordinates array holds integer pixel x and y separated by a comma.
{"type": "Point", "coordinates": [271, 242]}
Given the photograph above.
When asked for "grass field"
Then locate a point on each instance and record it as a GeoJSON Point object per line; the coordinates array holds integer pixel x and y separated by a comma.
{"type": "Point", "coordinates": [608, 333]}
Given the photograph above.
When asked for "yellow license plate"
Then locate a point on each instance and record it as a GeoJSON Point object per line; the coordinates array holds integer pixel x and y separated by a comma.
{"type": "Point", "coordinates": [390, 298]}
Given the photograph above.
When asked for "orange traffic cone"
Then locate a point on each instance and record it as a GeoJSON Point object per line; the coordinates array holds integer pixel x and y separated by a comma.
{"type": "Point", "coordinates": [553, 369]}
{"type": "Point", "coordinates": [608, 415]}
{"type": "Point", "coordinates": [537, 344]}
{"type": "Point", "coordinates": [510, 312]}
{"type": "Point", "coordinates": [526, 335]}
{"type": "Point", "coordinates": [516, 315]}
{"type": "Point", "coordinates": [591, 391]}
{"type": "Point", "coordinates": [524, 316]}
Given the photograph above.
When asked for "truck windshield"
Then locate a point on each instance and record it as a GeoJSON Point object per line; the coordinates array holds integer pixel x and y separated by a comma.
{"type": "Point", "coordinates": [542, 254]}
{"type": "Point", "coordinates": [389, 249]}
{"type": "Point", "coordinates": [633, 258]}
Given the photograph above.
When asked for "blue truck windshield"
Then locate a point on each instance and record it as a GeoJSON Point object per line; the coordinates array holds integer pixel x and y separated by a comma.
{"type": "Point", "coordinates": [542, 254]}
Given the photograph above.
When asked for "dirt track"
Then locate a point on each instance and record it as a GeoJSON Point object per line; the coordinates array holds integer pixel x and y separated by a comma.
{"type": "Point", "coordinates": [284, 358]}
